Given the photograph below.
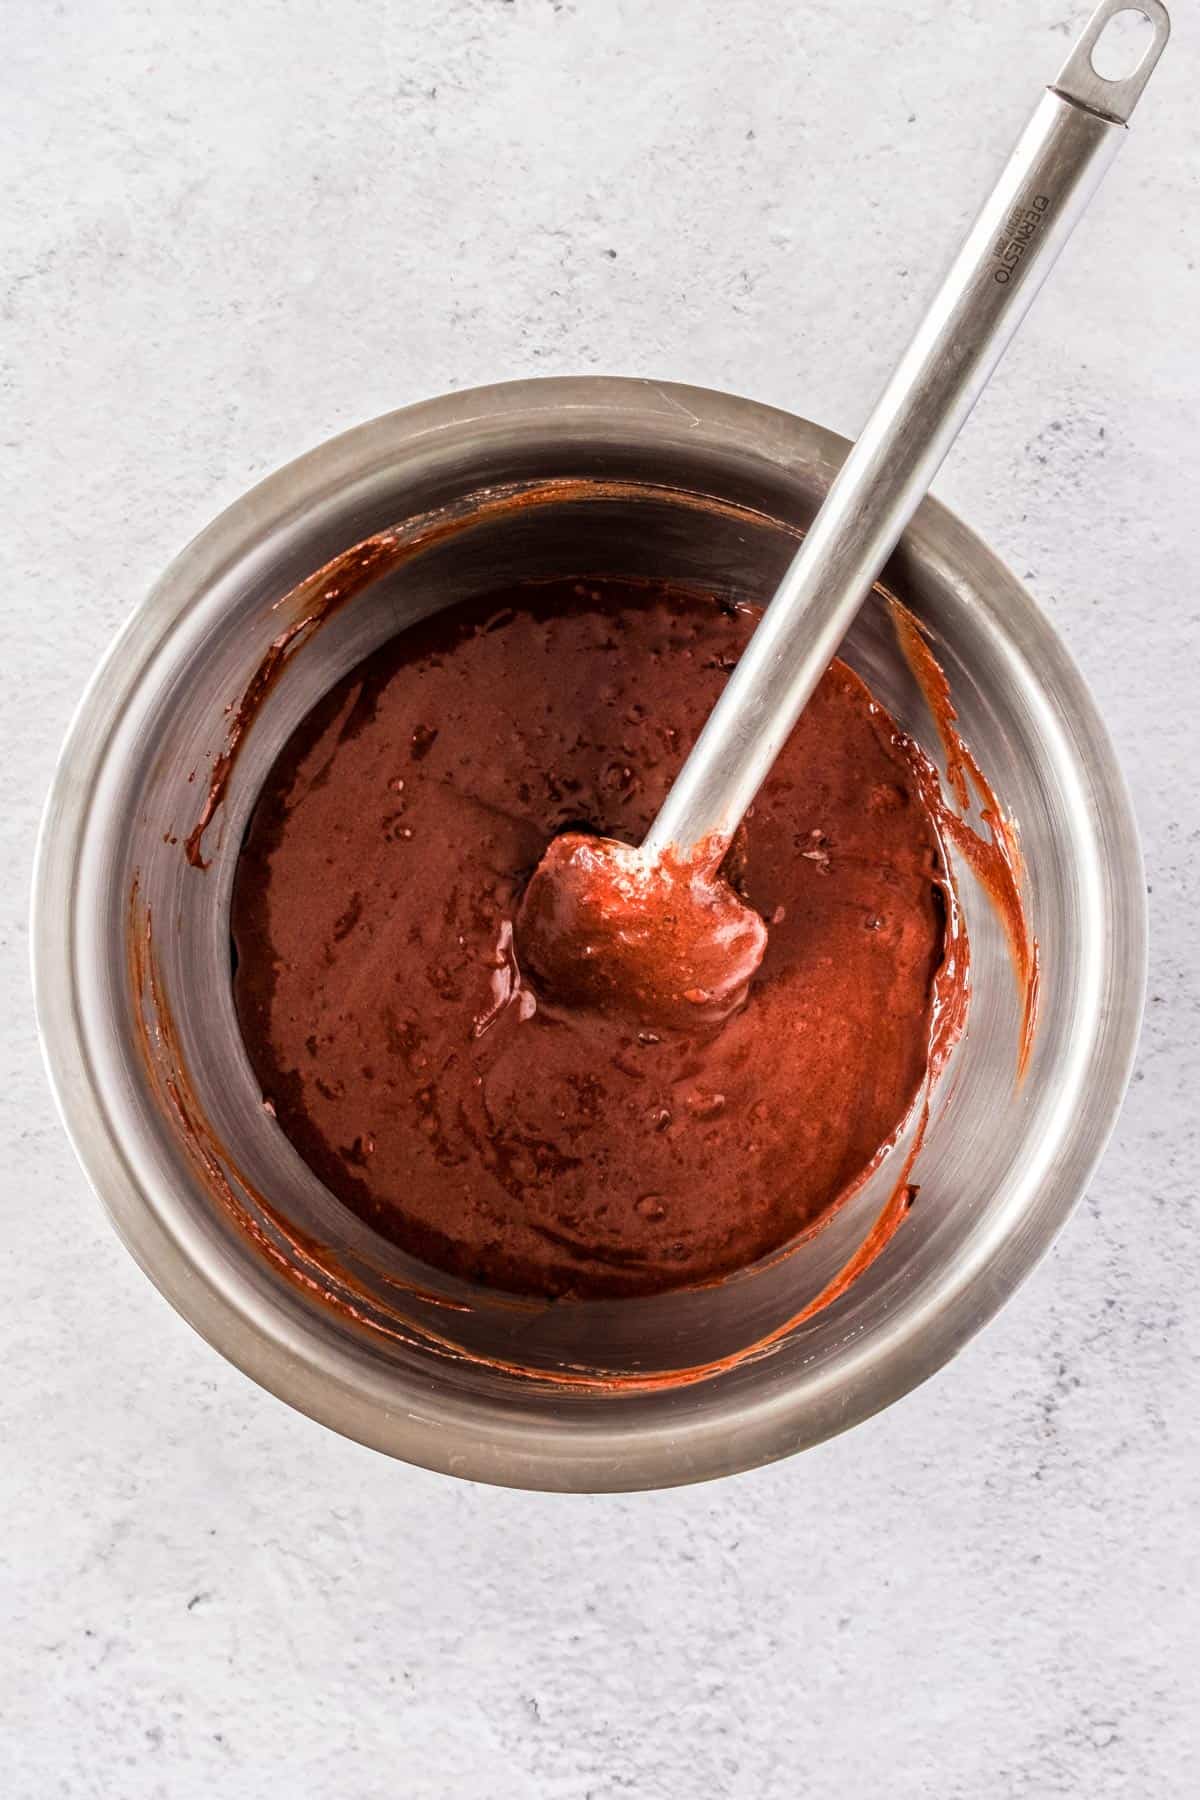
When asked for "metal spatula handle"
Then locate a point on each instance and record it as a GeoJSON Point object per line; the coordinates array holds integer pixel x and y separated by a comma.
{"type": "Point", "coordinates": [1074, 133]}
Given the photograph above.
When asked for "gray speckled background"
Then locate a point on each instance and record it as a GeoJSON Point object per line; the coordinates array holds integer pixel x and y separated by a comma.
{"type": "Point", "coordinates": [231, 230]}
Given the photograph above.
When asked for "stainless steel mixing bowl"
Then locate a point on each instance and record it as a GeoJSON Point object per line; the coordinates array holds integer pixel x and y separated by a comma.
{"type": "Point", "coordinates": [157, 1094]}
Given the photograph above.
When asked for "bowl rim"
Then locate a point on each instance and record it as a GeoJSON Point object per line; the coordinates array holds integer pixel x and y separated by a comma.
{"type": "Point", "coordinates": [269, 1343]}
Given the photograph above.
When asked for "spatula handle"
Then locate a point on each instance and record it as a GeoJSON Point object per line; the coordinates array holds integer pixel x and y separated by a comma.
{"type": "Point", "coordinates": [1076, 129]}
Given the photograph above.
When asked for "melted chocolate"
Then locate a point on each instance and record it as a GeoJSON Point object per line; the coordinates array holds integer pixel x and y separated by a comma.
{"type": "Point", "coordinates": [995, 860]}
{"type": "Point", "coordinates": [549, 1148]}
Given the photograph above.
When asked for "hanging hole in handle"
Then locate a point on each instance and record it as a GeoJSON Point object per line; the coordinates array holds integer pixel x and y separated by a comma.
{"type": "Point", "coordinates": [1113, 97]}
{"type": "Point", "coordinates": [1121, 48]}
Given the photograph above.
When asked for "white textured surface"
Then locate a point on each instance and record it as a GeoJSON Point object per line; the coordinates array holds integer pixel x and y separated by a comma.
{"type": "Point", "coordinates": [233, 229]}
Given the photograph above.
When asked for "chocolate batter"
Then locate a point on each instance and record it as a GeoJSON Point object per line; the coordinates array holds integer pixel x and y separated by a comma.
{"type": "Point", "coordinates": [522, 1135]}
